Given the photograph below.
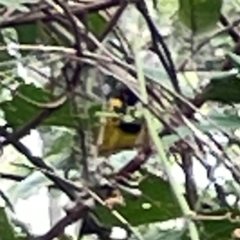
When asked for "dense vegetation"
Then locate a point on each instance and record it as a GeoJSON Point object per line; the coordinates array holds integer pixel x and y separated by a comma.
{"type": "Point", "coordinates": [68, 70]}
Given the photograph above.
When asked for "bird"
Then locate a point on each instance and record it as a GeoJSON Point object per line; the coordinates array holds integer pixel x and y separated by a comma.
{"type": "Point", "coordinates": [119, 134]}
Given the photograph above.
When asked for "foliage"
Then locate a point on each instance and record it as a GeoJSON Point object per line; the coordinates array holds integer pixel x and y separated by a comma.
{"type": "Point", "coordinates": [199, 15]}
{"type": "Point", "coordinates": [60, 61]}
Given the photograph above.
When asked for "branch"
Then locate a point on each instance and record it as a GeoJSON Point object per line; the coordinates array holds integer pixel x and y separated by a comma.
{"type": "Point", "coordinates": [234, 34]}
{"type": "Point", "coordinates": [31, 18]}
{"type": "Point", "coordinates": [7, 200]}
{"type": "Point", "coordinates": [134, 165]}
{"type": "Point", "coordinates": [13, 177]}
{"type": "Point", "coordinates": [24, 130]}
{"type": "Point", "coordinates": [190, 185]}
{"type": "Point", "coordinates": [75, 214]}
{"type": "Point", "coordinates": [164, 56]}
{"type": "Point", "coordinates": [113, 21]}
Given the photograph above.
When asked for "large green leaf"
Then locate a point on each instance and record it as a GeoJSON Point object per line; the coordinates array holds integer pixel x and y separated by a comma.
{"type": "Point", "coordinates": [199, 15]}
{"type": "Point", "coordinates": [157, 193]}
{"type": "Point", "coordinates": [224, 88]}
{"type": "Point", "coordinates": [219, 229]}
{"type": "Point", "coordinates": [20, 111]}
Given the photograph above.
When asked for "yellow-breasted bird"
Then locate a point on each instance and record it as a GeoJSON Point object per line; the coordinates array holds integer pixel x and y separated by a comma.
{"type": "Point", "coordinates": [118, 134]}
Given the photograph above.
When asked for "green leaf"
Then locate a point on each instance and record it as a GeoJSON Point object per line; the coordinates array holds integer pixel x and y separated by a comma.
{"type": "Point", "coordinates": [61, 143]}
{"type": "Point", "coordinates": [157, 194]}
{"type": "Point", "coordinates": [227, 121]}
{"type": "Point", "coordinates": [19, 111]}
{"type": "Point", "coordinates": [157, 75]}
{"type": "Point", "coordinates": [199, 15]}
{"type": "Point", "coordinates": [224, 88]}
{"type": "Point", "coordinates": [39, 32]}
{"type": "Point", "coordinates": [230, 121]}
{"type": "Point", "coordinates": [6, 229]}
{"type": "Point", "coordinates": [96, 23]}
{"type": "Point", "coordinates": [24, 36]}
{"type": "Point", "coordinates": [219, 229]}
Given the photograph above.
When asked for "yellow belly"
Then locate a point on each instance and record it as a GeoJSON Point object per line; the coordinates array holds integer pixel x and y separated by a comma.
{"type": "Point", "coordinates": [114, 139]}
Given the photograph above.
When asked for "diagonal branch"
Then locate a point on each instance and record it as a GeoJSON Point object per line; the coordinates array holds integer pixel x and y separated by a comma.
{"type": "Point", "coordinates": [58, 229]}
{"type": "Point", "coordinates": [30, 18]}
{"type": "Point", "coordinates": [35, 122]}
